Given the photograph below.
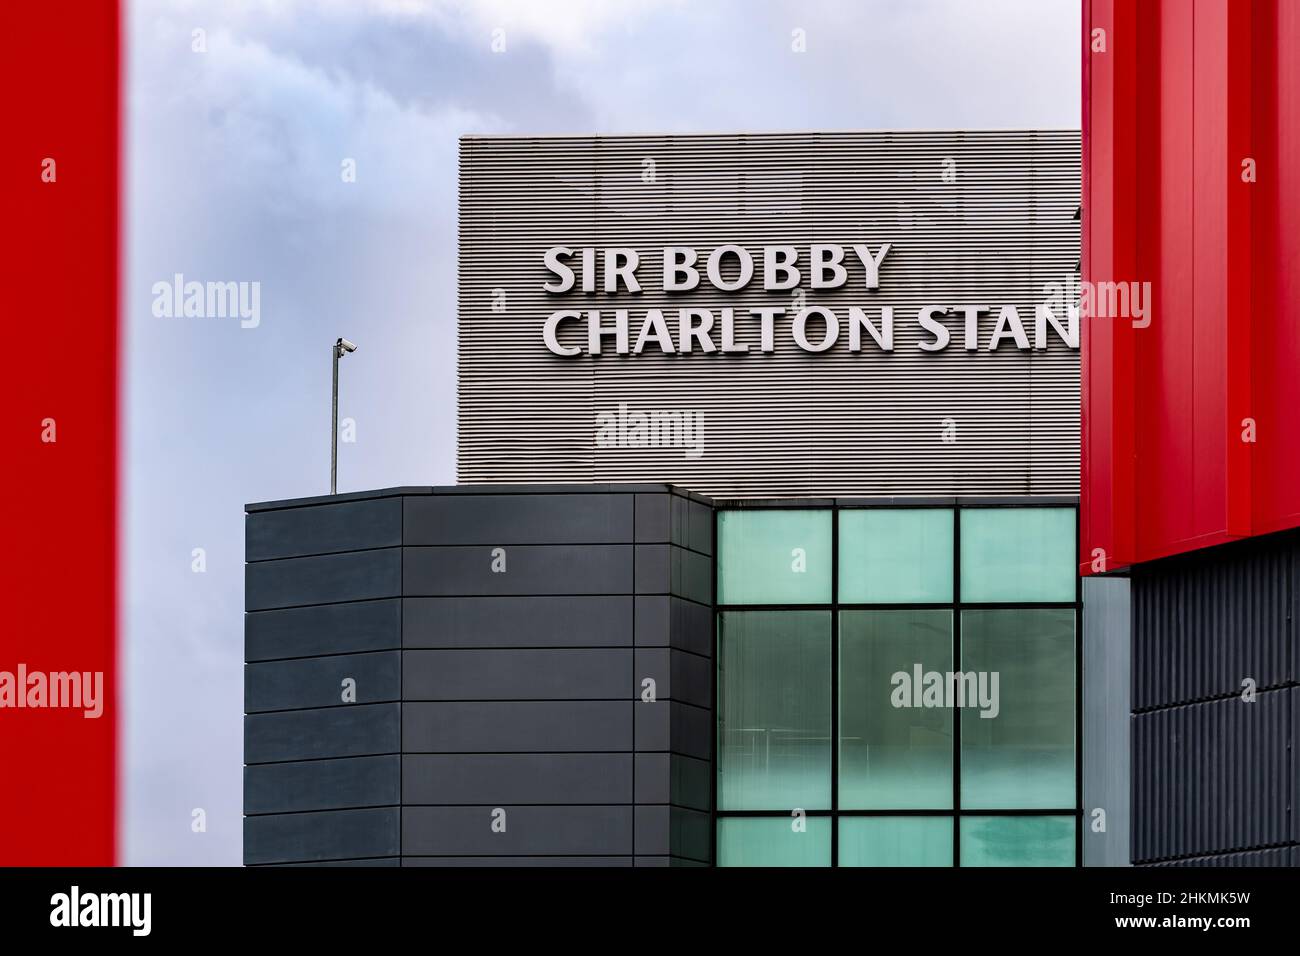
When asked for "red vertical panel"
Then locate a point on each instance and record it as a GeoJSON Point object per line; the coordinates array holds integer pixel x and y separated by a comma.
{"type": "Point", "coordinates": [1208, 312]}
{"type": "Point", "coordinates": [1276, 253]}
{"type": "Point", "coordinates": [1220, 493]}
{"type": "Point", "coordinates": [1149, 169]}
{"type": "Point", "coordinates": [1108, 253]}
{"type": "Point", "coordinates": [1238, 331]}
{"type": "Point", "coordinates": [57, 795]}
{"type": "Point", "coordinates": [1164, 350]}
{"type": "Point", "coordinates": [1216, 83]}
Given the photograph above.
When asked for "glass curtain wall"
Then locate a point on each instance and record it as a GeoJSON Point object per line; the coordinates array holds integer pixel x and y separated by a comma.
{"type": "Point", "coordinates": [897, 686]}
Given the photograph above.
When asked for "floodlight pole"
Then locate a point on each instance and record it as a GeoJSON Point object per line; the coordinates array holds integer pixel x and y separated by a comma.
{"type": "Point", "coordinates": [341, 347]}
{"type": "Point", "coordinates": [334, 429]}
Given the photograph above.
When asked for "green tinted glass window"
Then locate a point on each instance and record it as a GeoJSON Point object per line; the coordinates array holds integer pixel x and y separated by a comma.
{"type": "Point", "coordinates": [895, 841]}
{"type": "Point", "coordinates": [774, 557]}
{"type": "Point", "coordinates": [773, 841]}
{"type": "Point", "coordinates": [1017, 841]}
{"type": "Point", "coordinates": [895, 753]}
{"type": "Point", "coordinates": [774, 710]}
{"type": "Point", "coordinates": [1017, 554]}
{"type": "Point", "coordinates": [1022, 755]}
{"type": "Point", "coordinates": [895, 555]}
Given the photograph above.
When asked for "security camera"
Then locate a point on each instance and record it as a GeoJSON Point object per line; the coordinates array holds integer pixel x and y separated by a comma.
{"type": "Point", "coordinates": [343, 345]}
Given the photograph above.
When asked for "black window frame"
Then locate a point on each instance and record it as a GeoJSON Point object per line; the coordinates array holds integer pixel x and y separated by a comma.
{"type": "Point", "coordinates": [956, 606]}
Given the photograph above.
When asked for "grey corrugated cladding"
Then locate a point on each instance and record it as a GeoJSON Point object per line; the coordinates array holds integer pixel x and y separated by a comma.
{"type": "Point", "coordinates": [1216, 705]}
{"type": "Point", "coordinates": [790, 422]}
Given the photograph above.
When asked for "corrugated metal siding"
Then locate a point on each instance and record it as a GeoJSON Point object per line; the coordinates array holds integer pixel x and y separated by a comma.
{"type": "Point", "coordinates": [1213, 777]}
{"type": "Point", "coordinates": [1282, 856]}
{"type": "Point", "coordinates": [788, 423]}
{"type": "Point", "coordinates": [1202, 624]}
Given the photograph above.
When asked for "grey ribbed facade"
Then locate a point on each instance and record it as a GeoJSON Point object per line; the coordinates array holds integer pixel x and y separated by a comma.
{"type": "Point", "coordinates": [499, 644]}
{"type": "Point", "coordinates": [1215, 775]}
{"type": "Point", "coordinates": [973, 218]}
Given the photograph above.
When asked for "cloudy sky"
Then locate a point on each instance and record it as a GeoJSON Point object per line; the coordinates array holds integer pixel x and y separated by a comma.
{"type": "Point", "coordinates": [241, 116]}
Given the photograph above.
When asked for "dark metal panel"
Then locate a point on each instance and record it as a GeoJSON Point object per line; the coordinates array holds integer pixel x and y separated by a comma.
{"type": "Point", "coordinates": [323, 529]}
{"type": "Point", "coordinates": [674, 726]}
{"type": "Point", "coordinates": [323, 629]}
{"type": "Point", "coordinates": [654, 519]}
{"type": "Point", "coordinates": [693, 524]}
{"type": "Point", "coordinates": [328, 835]}
{"type": "Point", "coordinates": [669, 569]}
{"type": "Point", "coordinates": [529, 569]}
{"type": "Point", "coordinates": [1279, 856]}
{"type": "Point", "coordinates": [666, 621]}
{"type": "Point", "coordinates": [673, 778]}
{"type": "Point", "coordinates": [318, 681]}
{"type": "Point", "coordinates": [499, 779]}
{"type": "Point", "coordinates": [595, 673]}
{"type": "Point", "coordinates": [372, 862]}
{"type": "Point", "coordinates": [322, 784]}
{"type": "Point", "coordinates": [663, 830]}
{"type": "Point", "coordinates": [1205, 622]}
{"type": "Point", "coordinates": [517, 726]}
{"type": "Point", "coordinates": [538, 518]}
{"type": "Point", "coordinates": [584, 621]}
{"type": "Point", "coordinates": [513, 861]}
{"type": "Point", "coordinates": [353, 731]}
{"type": "Point", "coordinates": [329, 579]}
{"type": "Point", "coordinates": [1213, 777]}
{"type": "Point", "coordinates": [677, 675]}
{"type": "Point", "coordinates": [560, 831]}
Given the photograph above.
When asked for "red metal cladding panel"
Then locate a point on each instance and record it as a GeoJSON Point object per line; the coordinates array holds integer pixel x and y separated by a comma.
{"type": "Point", "coordinates": [1275, 250]}
{"type": "Point", "coordinates": [60, 174]}
{"type": "Point", "coordinates": [1203, 453]}
{"type": "Point", "coordinates": [1108, 248]}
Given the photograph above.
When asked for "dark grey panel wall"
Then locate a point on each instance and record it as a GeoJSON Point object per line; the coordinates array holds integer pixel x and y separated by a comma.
{"type": "Point", "coordinates": [1106, 720]}
{"type": "Point", "coordinates": [323, 629]}
{"type": "Point", "coordinates": [329, 835]}
{"type": "Point", "coordinates": [528, 570]}
{"type": "Point", "coordinates": [349, 731]}
{"type": "Point", "coordinates": [322, 784]}
{"type": "Point", "coordinates": [1215, 775]}
{"type": "Point", "coordinates": [517, 778]}
{"type": "Point", "coordinates": [483, 622]}
{"type": "Point", "coordinates": [591, 673]}
{"type": "Point", "coordinates": [319, 681]}
{"type": "Point", "coordinates": [529, 831]}
{"type": "Point", "coordinates": [572, 691]}
{"type": "Point", "coordinates": [328, 579]}
{"type": "Point", "coordinates": [517, 726]}
{"type": "Point", "coordinates": [323, 596]}
{"type": "Point", "coordinates": [669, 569]}
{"type": "Point", "coordinates": [506, 519]}
{"type": "Point", "coordinates": [1204, 623]}
{"type": "Point", "coordinates": [1281, 856]}
{"type": "Point", "coordinates": [322, 529]}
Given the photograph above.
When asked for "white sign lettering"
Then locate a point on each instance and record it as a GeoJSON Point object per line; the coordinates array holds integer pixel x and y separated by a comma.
{"type": "Point", "coordinates": [813, 328]}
